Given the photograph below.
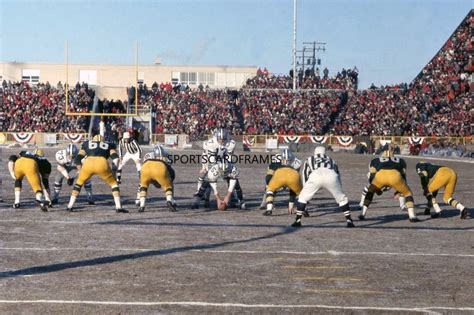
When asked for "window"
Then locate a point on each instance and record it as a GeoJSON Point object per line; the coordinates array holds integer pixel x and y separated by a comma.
{"type": "Point", "coordinates": [30, 76]}
{"type": "Point", "coordinates": [88, 76]}
{"type": "Point", "coordinates": [184, 77]}
{"type": "Point", "coordinates": [174, 78]}
{"type": "Point", "coordinates": [211, 78]}
{"type": "Point", "coordinates": [141, 77]}
{"type": "Point", "coordinates": [192, 78]}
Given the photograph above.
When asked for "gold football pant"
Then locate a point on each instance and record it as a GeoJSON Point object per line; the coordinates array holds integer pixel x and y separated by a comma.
{"type": "Point", "coordinates": [447, 178]}
{"type": "Point", "coordinates": [96, 165]}
{"type": "Point", "coordinates": [156, 173]}
{"type": "Point", "coordinates": [26, 167]}
{"type": "Point", "coordinates": [393, 179]}
{"type": "Point", "coordinates": [284, 177]}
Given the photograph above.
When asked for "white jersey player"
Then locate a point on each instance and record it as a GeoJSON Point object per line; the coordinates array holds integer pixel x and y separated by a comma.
{"type": "Point", "coordinates": [65, 158]}
{"type": "Point", "coordinates": [320, 171]}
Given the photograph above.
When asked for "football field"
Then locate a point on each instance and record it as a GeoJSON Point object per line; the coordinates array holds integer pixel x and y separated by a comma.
{"type": "Point", "coordinates": [235, 261]}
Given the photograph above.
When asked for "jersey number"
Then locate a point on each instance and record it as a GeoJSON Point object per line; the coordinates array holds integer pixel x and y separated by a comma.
{"type": "Point", "coordinates": [102, 145]}
{"type": "Point", "coordinates": [386, 159]}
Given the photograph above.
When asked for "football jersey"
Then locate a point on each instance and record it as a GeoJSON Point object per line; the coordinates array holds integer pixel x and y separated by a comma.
{"type": "Point", "coordinates": [96, 148]}
{"type": "Point", "coordinates": [427, 169]}
{"type": "Point", "coordinates": [43, 164]}
{"type": "Point", "coordinates": [63, 159]}
{"type": "Point", "coordinates": [316, 162]}
{"type": "Point", "coordinates": [388, 163]}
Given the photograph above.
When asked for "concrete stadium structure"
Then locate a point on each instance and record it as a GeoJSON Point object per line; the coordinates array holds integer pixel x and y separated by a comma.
{"type": "Point", "coordinates": [110, 81]}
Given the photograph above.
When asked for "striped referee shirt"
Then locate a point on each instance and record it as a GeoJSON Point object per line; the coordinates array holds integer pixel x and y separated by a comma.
{"type": "Point", "coordinates": [131, 147]}
{"type": "Point", "coordinates": [318, 161]}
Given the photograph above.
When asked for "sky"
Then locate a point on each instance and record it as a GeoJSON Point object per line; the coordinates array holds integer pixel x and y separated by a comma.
{"type": "Point", "coordinates": [389, 41]}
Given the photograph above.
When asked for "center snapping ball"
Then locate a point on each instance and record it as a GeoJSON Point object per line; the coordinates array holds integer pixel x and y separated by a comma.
{"type": "Point", "coordinates": [221, 205]}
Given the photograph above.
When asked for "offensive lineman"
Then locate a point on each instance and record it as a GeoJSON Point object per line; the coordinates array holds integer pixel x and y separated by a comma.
{"type": "Point", "coordinates": [129, 149]}
{"type": "Point", "coordinates": [283, 172]}
{"type": "Point", "coordinates": [389, 171]}
{"type": "Point", "coordinates": [36, 168]}
{"type": "Point", "coordinates": [65, 158]}
{"type": "Point", "coordinates": [157, 170]}
{"type": "Point", "coordinates": [96, 153]}
{"type": "Point", "coordinates": [320, 171]}
{"type": "Point", "coordinates": [433, 178]}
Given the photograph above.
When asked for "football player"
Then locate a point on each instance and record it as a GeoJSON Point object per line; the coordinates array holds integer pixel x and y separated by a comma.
{"type": "Point", "coordinates": [129, 149]}
{"type": "Point", "coordinates": [157, 170]}
{"type": "Point", "coordinates": [433, 178]}
{"type": "Point", "coordinates": [283, 172]}
{"type": "Point", "coordinates": [36, 168]}
{"type": "Point", "coordinates": [320, 171]}
{"type": "Point", "coordinates": [91, 160]}
{"type": "Point", "coordinates": [389, 171]}
{"type": "Point", "coordinates": [229, 173]}
{"type": "Point", "coordinates": [65, 159]}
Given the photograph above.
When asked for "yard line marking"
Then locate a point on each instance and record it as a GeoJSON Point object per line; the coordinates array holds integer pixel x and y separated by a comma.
{"type": "Point", "coordinates": [314, 267]}
{"type": "Point", "coordinates": [426, 309]}
{"type": "Point", "coordinates": [351, 291]}
{"type": "Point", "coordinates": [296, 253]}
{"type": "Point", "coordinates": [329, 279]}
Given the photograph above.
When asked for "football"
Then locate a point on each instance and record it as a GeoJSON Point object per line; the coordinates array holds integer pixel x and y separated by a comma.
{"type": "Point", "coordinates": [221, 205]}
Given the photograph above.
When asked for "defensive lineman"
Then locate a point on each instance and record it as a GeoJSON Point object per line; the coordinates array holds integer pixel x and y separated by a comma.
{"type": "Point", "coordinates": [320, 171]}
{"type": "Point", "coordinates": [65, 159]}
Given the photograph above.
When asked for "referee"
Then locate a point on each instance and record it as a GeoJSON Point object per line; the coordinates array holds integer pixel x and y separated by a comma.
{"type": "Point", "coordinates": [129, 149]}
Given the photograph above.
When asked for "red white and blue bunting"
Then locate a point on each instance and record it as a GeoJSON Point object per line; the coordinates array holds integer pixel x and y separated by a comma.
{"type": "Point", "coordinates": [74, 137]}
{"type": "Point", "coordinates": [416, 140]}
{"type": "Point", "coordinates": [344, 140]}
{"type": "Point", "coordinates": [23, 137]}
{"type": "Point", "coordinates": [291, 139]}
{"type": "Point", "coordinates": [249, 141]}
{"type": "Point", "coordinates": [318, 139]}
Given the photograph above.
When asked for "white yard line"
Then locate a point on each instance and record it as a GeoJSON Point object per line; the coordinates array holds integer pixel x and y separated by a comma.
{"type": "Point", "coordinates": [427, 309]}
{"type": "Point", "coordinates": [254, 252]}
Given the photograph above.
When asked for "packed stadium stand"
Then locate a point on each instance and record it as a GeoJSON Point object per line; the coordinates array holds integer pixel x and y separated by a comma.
{"type": "Point", "coordinates": [438, 102]}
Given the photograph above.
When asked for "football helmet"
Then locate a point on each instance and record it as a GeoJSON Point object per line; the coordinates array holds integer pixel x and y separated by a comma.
{"type": "Point", "coordinates": [98, 138]}
{"type": "Point", "coordinates": [38, 152]}
{"type": "Point", "coordinates": [71, 150]}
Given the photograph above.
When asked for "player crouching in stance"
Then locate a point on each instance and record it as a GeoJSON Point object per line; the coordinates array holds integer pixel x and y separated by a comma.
{"type": "Point", "coordinates": [229, 173]}
{"type": "Point", "coordinates": [157, 170]}
{"type": "Point", "coordinates": [283, 172]}
{"type": "Point", "coordinates": [434, 177]}
{"type": "Point", "coordinates": [388, 171]}
{"type": "Point", "coordinates": [65, 159]}
{"type": "Point", "coordinates": [36, 168]}
{"type": "Point", "coordinates": [96, 154]}
{"type": "Point", "coordinates": [320, 171]}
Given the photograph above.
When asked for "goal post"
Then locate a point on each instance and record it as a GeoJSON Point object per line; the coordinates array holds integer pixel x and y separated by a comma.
{"type": "Point", "coordinates": [68, 112]}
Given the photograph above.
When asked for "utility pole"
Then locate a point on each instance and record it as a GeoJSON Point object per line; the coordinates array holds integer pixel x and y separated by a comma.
{"type": "Point", "coordinates": [294, 45]}
{"type": "Point", "coordinates": [307, 57]}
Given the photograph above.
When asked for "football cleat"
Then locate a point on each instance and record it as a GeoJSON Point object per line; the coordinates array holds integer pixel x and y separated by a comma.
{"type": "Point", "coordinates": [121, 210]}
{"type": "Point", "coordinates": [267, 213]}
{"type": "Point", "coordinates": [427, 211]}
{"type": "Point", "coordinates": [361, 217]}
{"type": "Point", "coordinates": [54, 201]}
{"type": "Point", "coordinates": [16, 205]}
{"type": "Point", "coordinates": [349, 223]}
{"type": "Point", "coordinates": [297, 223]}
{"type": "Point", "coordinates": [243, 206]}
{"type": "Point", "coordinates": [42, 206]}
{"type": "Point", "coordinates": [414, 219]}
{"type": "Point", "coordinates": [171, 206]}
{"type": "Point", "coordinates": [141, 209]}
{"type": "Point", "coordinates": [435, 215]}
{"type": "Point", "coordinates": [70, 209]}
{"type": "Point", "coordinates": [463, 214]}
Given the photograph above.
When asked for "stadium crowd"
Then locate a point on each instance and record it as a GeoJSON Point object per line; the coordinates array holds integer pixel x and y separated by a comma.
{"type": "Point", "coordinates": [41, 107]}
{"type": "Point", "coordinates": [437, 103]}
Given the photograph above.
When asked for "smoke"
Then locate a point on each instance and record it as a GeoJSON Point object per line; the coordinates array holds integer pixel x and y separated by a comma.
{"type": "Point", "coordinates": [197, 51]}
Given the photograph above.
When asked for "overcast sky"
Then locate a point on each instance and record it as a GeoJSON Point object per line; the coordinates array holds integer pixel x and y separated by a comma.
{"type": "Point", "coordinates": [389, 41]}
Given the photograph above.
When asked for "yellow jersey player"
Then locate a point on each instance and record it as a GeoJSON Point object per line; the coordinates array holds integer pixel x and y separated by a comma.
{"type": "Point", "coordinates": [96, 153]}
{"type": "Point", "coordinates": [156, 170]}
{"type": "Point", "coordinates": [283, 172]}
{"type": "Point", "coordinates": [388, 171]}
{"type": "Point", "coordinates": [435, 177]}
{"type": "Point", "coordinates": [36, 168]}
